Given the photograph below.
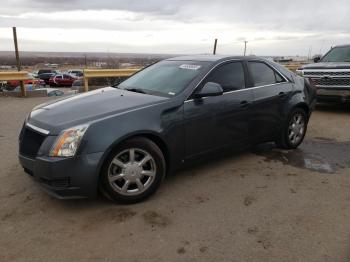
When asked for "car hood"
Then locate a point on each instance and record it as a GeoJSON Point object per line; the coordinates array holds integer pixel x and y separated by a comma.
{"type": "Point", "coordinates": [87, 107]}
{"type": "Point", "coordinates": [327, 65]}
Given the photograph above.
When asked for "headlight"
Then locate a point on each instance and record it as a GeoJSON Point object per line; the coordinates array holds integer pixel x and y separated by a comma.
{"type": "Point", "coordinates": [299, 72]}
{"type": "Point", "coordinates": [68, 141]}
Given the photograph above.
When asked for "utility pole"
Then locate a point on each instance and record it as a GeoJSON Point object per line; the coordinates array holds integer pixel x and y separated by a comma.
{"type": "Point", "coordinates": [23, 90]}
{"type": "Point", "coordinates": [245, 47]}
{"type": "Point", "coordinates": [85, 61]}
{"type": "Point", "coordinates": [215, 44]}
{"type": "Point", "coordinates": [309, 54]}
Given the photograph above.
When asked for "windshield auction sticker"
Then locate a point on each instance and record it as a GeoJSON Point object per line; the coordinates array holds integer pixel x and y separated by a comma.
{"type": "Point", "coordinates": [190, 67]}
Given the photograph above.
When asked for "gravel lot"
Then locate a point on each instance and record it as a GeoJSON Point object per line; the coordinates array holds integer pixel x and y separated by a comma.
{"type": "Point", "coordinates": [259, 205]}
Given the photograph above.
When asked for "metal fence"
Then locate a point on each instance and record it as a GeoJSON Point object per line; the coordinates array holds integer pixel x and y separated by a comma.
{"type": "Point", "coordinates": [94, 73]}
{"type": "Point", "coordinates": [21, 75]}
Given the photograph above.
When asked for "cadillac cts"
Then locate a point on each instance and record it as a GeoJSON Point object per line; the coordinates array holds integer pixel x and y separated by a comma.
{"type": "Point", "coordinates": [123, 140]}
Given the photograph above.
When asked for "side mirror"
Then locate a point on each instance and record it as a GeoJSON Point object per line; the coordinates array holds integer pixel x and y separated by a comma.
{"type": "Point", "coordinates": [317, 59]}
{"type": "Point", "coordinates": [209, 89]}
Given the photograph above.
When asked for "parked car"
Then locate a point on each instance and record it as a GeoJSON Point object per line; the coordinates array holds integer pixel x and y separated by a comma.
{"type": "Point", "coordinates": [330, 74]}
{"type": "Point", "coordinates": [46, 77]}
{"type": "Point", "coordinates": [61, 80]}
{"type": "Point", "coordinates": [77, 86]}
{"type": "Point", "coordinates": [31, 81]}
{"type": "Point", "coordinates": [3, 85]}
{"type": "Point", "coordinates": [46, 71]}
{"type": "Point", "coordinates": [77, 83]}
{"type": "Point", "coordinates": [34, 74]}
{"type": "Point", "coordinates": [124, 140]}
{"type": "Point", "coordinates": [76, 73]}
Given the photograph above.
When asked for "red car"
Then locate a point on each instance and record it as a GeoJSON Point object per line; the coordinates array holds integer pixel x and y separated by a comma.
{"type": "Point", "coordinates": [61, 80]}
{"type": "Point", "coordinates": [32, 81]}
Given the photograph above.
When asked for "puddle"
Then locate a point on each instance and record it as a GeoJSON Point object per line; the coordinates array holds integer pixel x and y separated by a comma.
{"type": "Point", "coordinates": [321, 154]}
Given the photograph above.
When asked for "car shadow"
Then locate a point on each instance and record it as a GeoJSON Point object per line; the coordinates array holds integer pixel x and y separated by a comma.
{"type": "Point", "coordinates": [342, 108]}
{"type": "Point", "coordinates": [209, 161]}
{"type": "Point", "coordinates": [78, 205]}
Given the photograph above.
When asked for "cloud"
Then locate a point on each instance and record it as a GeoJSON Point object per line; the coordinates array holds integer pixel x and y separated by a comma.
{"type": "Point", "coordinates": [311, 15]}
{"type": "Point", "coordinates": [286, 24]}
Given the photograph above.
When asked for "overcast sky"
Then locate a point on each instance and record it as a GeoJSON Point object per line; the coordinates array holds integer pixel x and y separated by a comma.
{"type": "Point", "coordinates": [271, 27]}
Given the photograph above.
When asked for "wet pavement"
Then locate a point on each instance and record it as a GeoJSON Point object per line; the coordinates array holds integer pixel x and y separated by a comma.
{"type": "Point", "coordinates": [268, 205]}
{"type": "Point", "coordinates": [320, 154]}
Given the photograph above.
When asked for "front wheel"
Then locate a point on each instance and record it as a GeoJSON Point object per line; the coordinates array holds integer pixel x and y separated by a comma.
{"type": "Point", "coordinates": [133, 171]}
{"type": "Point", "coordinates": [294, 130]}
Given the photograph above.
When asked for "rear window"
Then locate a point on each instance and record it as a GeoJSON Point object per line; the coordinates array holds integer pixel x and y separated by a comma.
{"type": "Point", "coordinates": [43, 71]}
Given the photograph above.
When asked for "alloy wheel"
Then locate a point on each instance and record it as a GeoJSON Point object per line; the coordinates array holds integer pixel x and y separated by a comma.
{"type": "Point", "coordinates": [296, 128]}
{"type": "Point", "coordinates": [132, 171]}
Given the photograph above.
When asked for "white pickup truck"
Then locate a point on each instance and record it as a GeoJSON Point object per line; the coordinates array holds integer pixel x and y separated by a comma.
{"type": "Point", "coordinates": [330, 74]}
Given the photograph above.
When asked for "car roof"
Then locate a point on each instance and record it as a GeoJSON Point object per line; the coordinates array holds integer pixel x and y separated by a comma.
{"type": "Point", "coordinates": [211, 58]}
{"type": "Point", "coordinates": [47, 69]}
{"type": "Point", "coordinates": [47, 73]}
{"type": "Point", "coordinates": [348, 45]}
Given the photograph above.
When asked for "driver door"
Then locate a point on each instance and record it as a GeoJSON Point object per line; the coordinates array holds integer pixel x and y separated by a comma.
{"type": "Point", "coordinates": [220, 121]}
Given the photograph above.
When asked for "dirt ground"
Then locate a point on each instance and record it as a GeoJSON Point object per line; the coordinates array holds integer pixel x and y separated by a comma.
{"type": "Point", "coordinates": [259, 205]}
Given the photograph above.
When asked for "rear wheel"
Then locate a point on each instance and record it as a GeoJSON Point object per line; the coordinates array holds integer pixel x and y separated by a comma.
{"type": "Point", "coordinates": [133, 171]}
{"type": "Point", "coordinates": [294, 130]}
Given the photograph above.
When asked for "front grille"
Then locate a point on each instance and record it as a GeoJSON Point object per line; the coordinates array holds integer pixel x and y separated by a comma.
{"type": "Point", "coordinates": [30, 142]}
{"type": "Point", "coordinates": [331, 82]}
{"type": "Point", "coordinates": [345, 73]}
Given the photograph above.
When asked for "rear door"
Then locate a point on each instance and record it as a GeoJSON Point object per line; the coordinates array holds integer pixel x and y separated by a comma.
{"type": "Point", "coordinates": [271, 89]}
{"type": "Point", "coordinates": [220, 121]}
{"type": "Point", "coordinates": [67, 80]}
{"type": "Point", "coordinates": [58, 79]}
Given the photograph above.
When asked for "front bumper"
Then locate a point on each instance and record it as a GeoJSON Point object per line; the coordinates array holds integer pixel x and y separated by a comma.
{"type": "Point", "coordinates": [332, 94]}
{"type": "Point", "coordinates": [65, 178]}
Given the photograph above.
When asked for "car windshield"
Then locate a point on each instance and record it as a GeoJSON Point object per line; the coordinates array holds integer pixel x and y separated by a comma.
{"type": "Point", "coordinates": [338, 54]}
{"type": "Point", "coordinates": [165, 78]}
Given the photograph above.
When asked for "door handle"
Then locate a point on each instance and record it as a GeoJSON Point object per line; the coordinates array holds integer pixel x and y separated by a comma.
{"type": "Point", "coordinates": [282, 94]}
{"type": "Point", "coordinates": [244, 104]}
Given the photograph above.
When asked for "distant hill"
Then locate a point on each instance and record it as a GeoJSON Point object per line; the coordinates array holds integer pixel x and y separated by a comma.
{"type": "Point", "coordinates": [82, 54]}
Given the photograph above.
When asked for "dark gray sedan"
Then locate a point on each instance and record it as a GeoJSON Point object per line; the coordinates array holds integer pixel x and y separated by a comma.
{"type": "Point", "coordinates": [123, 140]}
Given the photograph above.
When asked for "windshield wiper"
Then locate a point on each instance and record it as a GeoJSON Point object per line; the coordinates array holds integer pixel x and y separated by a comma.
{"type": "Point", "coordinates": [137, 90]}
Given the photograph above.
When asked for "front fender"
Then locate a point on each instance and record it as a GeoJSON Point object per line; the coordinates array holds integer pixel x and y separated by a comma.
{"type": "Point", "coordinates": [163, 121]}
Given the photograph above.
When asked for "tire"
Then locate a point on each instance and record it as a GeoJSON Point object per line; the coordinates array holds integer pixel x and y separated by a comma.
{"type": "Point", "coordinates": [287, 140]}
{"type": "Point", "coordinates": [133, 171]}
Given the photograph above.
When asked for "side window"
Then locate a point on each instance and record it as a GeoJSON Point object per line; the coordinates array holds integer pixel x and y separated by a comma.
{"type": "Point", "coordinates": [262, 74]}
{"type": "Point", "coordinates": [230, 76]}
{"type": "Point", "coordinates": [59, 77]}
{"type": "Point", "coordinates": [279, 78]}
